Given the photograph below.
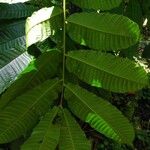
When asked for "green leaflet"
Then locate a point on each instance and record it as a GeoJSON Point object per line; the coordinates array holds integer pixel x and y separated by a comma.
{"type": "Point", "coordinates": [18, 10]}
{"type": "Point", "coordinates": [103, 31]}
{"type": "Point", "coordinates": [42, 24]}
{"type": "Point", "coordinates": [71, 135]}
{"type": "Point", "coordinates": [41, 69]}
{"type": "Point", "coordinates": [100, 114]}
{"type": "Point", "coordinates": [97, 4]}
{"type": "Point", "coordinates": [12, 36]}
{"type": "Point", "coordinates": [106, 71]}
{"type": "Point", "coordinates": [45, 135]}
{"type": "Point", "coordinates": [23, 113]}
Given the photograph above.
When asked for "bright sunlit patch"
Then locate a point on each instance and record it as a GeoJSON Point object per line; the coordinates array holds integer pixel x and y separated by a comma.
{"type": "Point", "coordinates": [96, 83]}
{"type": "Point", "coordinates": [13, 1]}
{"type": "Point", "coordinates": [39, 26]}
{"type": "Point", "coordinates": [102, 126]}
{"type": "Point", "coordinates": [30, 68]}
{"type": "Point", "coordinates": [38, 17]}
{"type": "Point", "coordinates": [83, 42]}
{"type": "Point", "coordinates": [140, 63]}
{"type": "Point", "coordinates": [98, 11]}
{"type": "Point", "coordinates": [145, 22]}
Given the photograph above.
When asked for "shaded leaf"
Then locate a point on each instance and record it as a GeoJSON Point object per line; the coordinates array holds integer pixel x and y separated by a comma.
{"type": "Point", "coordinates": [19, 10]}
{"type": "Point", "coordinates": [23, 113]}
{"type": "Point", "coordinates": [71, 135]}
{"type": "Point", "coordinates": [45, 135]}
{"type": "Point", "coordinates": [12, 36]}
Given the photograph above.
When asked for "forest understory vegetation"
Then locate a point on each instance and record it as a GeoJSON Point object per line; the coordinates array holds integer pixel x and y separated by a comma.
{"type": "Point", "coordinates": [74, 75]}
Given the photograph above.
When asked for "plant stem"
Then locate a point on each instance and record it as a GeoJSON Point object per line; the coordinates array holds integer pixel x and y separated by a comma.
{"type": "Point", "coordinates": [64, 51]}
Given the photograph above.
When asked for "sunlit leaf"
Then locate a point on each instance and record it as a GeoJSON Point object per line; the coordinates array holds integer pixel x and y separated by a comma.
{"type": "Point", "coordinates": [42, 24]}
{"type": "Point", "coordinates": [99, 113]}
{"type": "Point", "coordinates": [12, 68]}
{"type": "Point", "coordinates": [13, 1]}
